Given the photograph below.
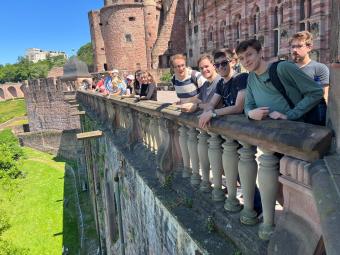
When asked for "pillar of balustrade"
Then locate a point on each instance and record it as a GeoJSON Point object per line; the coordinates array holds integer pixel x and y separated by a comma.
{"type": "Point", "coordinates": [110, 115]}
{"type": "Point", "coordinates": [183, 142]}
{"type": "Point", "coordinates": [247, 168]}
{"type": "Point", "coordinates": [165, 156]}
{"type": "Point", "coordinates": [195, 178]}
{"type": "Point", "coordinates": [204, 160]}
{"type": "Point", "coordinates": [148, 133]}
{"type": "Point", "coordinates": [268, 185]}
{"type": "Point", "coordinates": [102, 110]}
{"type": "Point", "coordinates": [215, 159]}
{"type": "Point", "coordinates": [142, 126]}
{"type": "Point", "coordinates": [154, 131]}
{"type": "Point", "coordinates": [230, 160]}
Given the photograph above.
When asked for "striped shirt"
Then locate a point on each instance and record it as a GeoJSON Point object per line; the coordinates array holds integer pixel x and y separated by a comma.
{"type": "Point", "coordinates": [188, 88]}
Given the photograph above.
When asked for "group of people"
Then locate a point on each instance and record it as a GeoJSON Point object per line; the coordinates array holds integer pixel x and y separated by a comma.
{"type": "Point", "coordinates": [140, 86]}
{"type": "Point", "coordinates": [218, 89]}
{"type": "Point", "coordinates": [293, 90]}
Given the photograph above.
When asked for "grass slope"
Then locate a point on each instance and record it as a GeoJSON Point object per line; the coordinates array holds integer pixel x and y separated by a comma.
{"type": "Point", "coordinates": [39, 221]}
{"type": "Point", "coordinates": [12, 108]}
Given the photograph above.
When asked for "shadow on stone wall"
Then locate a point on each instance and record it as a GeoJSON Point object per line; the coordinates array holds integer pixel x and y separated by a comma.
{"type": "Point", "coordinates": [79, 231]}
{"type": "Point", "coordinates": [59, 143]}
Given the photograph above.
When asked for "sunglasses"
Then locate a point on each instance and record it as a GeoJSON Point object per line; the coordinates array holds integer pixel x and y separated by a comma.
{"type": "Point", "coordinates": [223, 64]}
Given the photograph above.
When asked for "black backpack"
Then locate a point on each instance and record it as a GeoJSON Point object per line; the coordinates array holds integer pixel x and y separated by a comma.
{"type": "Point", "coordinates": [316, 116]}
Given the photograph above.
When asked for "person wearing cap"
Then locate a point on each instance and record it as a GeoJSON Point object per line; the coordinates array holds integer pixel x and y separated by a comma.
{"type": "Point", "coordinates": [129, 82]}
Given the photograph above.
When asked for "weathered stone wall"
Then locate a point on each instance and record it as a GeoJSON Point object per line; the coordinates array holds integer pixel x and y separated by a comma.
{"type": "Point", "coordinates": [56, 142]}
{"type": "Point", "coordinates": [123, 33]}
{"type": "Point", "coordinates": [137, 35]}
{"type": "Point", "coordinates": [226, 23]}
{"type": "Point", "coordinates": [155, 219]}
{"type": "Point", "coordinates": [334, 105]}
{"type": "Point", "coordinates": [99, 58]}
{"type": "Point", "coordinates": [47, 106]}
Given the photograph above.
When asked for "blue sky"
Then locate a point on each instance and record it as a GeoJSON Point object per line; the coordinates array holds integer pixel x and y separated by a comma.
{"type": "Point", "coordinates": [50, 25]}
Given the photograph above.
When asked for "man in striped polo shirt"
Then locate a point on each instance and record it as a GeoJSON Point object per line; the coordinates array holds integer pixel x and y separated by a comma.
{"type": "Point", "coordinates": [186, 82]}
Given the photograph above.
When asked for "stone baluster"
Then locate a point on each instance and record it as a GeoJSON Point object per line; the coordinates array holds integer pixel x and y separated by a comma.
{"type": "Point", "coordinates": [97, 107]}
{"type": "Point", "coordinates": [215, 159]}
{"type": "Point", "coordinates": [183, 142]}
{"type": "Point", "coordinates": [204, 160]}
{"type": "Point", "coordinates": [103, 112]}
{"type": "Point", "coordinates": [148, 133]}
{"type": "Point", "coordinates": [177, 153]}
{"type": "Point", "coordinates": [230, 160]}
{"type": "Point", "coordinates": [268, 185]}
{"type": "Point", "coordinates": [247, 168]}
{"type": "Point", "coordinates": [165, 162]}
{"type": "Point", "coordinates": [122, 117]}
{"type": "Point", "coordinates": [154, 131]}
{"type": "Point", "coordinates": [111, 115]}
{"type": "Point", "coordinates": [195, 178]}
{"type": "Point", "coordinates": [145, 136]}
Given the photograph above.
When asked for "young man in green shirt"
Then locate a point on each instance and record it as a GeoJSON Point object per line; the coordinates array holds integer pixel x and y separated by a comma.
{"type": "Point", "coordinates": [263, 99]}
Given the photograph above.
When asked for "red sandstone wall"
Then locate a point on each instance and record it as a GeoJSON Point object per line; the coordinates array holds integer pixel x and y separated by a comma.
{"type": "Point", "coordinates": [46, 106]}
{"type": "Point", "coordinates": [99, 57]}
{"type": "Point", "coordinates": [212, 14]}
{"type": "Point", "coordinates": [116, 25]}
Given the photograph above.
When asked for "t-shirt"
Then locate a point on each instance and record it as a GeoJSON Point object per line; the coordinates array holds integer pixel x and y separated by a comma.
{"type": "Point", "coordinates": [208, 89]}
{"type": "Point", "coordinates": [143, 90]}
{"type": "Point", "coordinates": [188, 88]}
{"type": "Point", "coordinates": [301, 89]}
{"type": "Point", "coordinates": [315, 69]}
{"type": "Point", "coordinates": [229, 90]}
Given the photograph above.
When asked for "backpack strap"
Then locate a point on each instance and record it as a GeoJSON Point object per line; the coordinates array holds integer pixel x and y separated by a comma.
{"type": "Point", "coordinates": [275, 79]}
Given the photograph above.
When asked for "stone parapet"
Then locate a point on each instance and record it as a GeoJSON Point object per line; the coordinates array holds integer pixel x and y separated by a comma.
{"type": "Point", "coordinates": [178, 147]}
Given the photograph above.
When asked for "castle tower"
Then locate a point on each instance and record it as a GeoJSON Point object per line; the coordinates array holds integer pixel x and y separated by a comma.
{"type": "Point", "coordinates": [151, 21]}
{"type": "Point", "coordinates": [122, 27]}
{"type": "Point", "coordinates": [99, 58]}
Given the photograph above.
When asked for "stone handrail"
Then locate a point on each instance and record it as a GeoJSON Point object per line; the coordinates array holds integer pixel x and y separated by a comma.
{"type": "Point", "coordinates": [296, 139]}
{"type": "Point", "coordinates": [178, 143]}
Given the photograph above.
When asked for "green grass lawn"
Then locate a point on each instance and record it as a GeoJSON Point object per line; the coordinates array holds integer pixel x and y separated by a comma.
{"type": "Point", "coordinates": [12, 108]}
{"type": "Point", "coordinates": [39, 221]}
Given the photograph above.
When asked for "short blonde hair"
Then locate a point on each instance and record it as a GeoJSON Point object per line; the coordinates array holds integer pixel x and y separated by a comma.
{"type": "Point", "coordinates": [303, 36]}
{"type": "Point", "coordinates": [176, 56]}
{"type": "Point", "coordinates": [205, 56]}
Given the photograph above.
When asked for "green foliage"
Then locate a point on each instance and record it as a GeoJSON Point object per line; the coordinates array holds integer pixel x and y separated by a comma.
{"type": "Point", "coordinates": [40, 220]}
{"type": "Point", "coordinates": [10, 153]}
{"type": "Point", "coordinates": [12, 108]}
{"type": "Point", "coordinates": [4, 225]}
{"type": "Point", "coordinates": [7, 248]}
{"type": "Point", "coordinates": [210, 223]}
{"type": "Point", "coordinates": [85, 53]}
{"type": "Point", "coordinates": [26, 70]}
{"type": "Point", "coordinates": [166, 77]}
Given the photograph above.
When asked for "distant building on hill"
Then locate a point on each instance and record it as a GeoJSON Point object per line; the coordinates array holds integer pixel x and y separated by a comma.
{"type": "Point", "coordinates": [35, 54]}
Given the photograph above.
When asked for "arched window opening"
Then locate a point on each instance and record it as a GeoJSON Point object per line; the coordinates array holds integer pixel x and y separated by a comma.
{"type": "Point", "coordinates": [276, 16]}
{"type": "Point", "coordinates": [302, 9]}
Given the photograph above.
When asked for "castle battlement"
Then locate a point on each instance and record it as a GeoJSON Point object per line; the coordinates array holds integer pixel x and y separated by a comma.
{"type": "Point", "coordinates": [47, 106]}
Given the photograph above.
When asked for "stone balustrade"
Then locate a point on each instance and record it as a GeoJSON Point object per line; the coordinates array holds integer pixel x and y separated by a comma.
{"type": "Point", "coordinates": [268, 150]}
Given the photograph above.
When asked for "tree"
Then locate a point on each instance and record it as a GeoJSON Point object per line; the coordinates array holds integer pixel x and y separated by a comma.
{"type": "Point", "coordinates": [26, 70]}
{"type": "Point", "coordinates": [85, 53]}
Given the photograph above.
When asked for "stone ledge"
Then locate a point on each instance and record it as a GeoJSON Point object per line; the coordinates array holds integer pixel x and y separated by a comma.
{"type": "Point", "coordinates": [297, 139]}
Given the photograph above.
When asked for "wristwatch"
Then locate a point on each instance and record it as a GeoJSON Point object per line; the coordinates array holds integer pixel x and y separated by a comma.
{"type": "Point", "coordinates": [213, 114]}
